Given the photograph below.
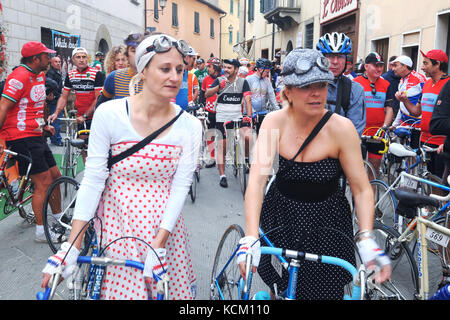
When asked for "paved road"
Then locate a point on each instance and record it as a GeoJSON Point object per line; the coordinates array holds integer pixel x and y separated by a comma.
{"type": "Point", "coordinates": [214, 210]}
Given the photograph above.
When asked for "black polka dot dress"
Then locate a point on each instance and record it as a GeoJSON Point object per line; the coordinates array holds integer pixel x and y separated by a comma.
{"type": "Point", "coordinates": [308, 212]}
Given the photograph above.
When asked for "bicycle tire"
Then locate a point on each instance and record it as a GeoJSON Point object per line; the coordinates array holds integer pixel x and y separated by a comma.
{"type": "Point", "coordinates": [68, 193]}
{"type": "Point", "coordinates": [403, 284]}
{"type": "Point", "coordinates": [242, 178]}
{"type": "Point", "coordinates": [393, 170]}
{"type": "Point", "coordinates": [369, 168]}
{"type": "Point", "coordinates": [385, 210]}
{"type": "Point", "coordinates": [229, 279]}
{"type": "Point", "coordinates": [193, 187]}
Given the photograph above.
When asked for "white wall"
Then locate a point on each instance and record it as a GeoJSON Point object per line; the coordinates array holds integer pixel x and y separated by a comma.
{"type": "Point", "coordinates": [23, 20]}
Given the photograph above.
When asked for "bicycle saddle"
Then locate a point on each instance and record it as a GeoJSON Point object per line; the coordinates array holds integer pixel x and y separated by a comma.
{"type": "Point", "coordinates": [412, 199]}
{"type": "Point", "coordinates": [78, 143]}
{"type": "Point", "coordinates": [400, 151]}
{"type": "Point", "coordinates": [402, 132]}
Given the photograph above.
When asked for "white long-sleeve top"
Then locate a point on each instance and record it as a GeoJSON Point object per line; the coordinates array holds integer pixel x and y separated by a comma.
{"type": "Point", "coordinates": [111, 125]}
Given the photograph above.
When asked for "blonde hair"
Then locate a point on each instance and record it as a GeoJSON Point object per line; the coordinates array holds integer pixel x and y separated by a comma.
{"type": "Point", "coordinates": [134, 84]}
{"type": "Point", "coordinates": [284, 99]}
{"type": "Point", "coordinates": [111, 57]}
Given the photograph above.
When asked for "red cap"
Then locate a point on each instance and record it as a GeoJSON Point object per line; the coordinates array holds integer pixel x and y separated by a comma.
{"type": "Point", "coordinates": [436, 54]}
{"type": "Point", "coordinates": [33, 48]}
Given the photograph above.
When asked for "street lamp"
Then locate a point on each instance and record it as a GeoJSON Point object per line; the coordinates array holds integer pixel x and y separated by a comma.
{"type": "Point", "coordinates": [162, 4]}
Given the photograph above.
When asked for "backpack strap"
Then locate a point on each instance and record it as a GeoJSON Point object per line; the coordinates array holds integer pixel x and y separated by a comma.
{"type": "Point", "coordinates": [344, 90]}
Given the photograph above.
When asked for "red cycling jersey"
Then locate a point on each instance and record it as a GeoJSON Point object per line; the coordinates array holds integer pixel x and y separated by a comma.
{"type": "Point", "coordinates": [430, 92]}
{"type": "Point", "coordinates": [26, 89]}
{"type": "Point", "coordinates": [211, 101]}
{"type": "Point", "coordinates": [375, 103]}
{"type": "Point", "coordinates": [84, 84]}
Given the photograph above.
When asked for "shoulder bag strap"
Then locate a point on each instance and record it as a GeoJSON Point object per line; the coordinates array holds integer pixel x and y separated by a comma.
{"type": "Point", "coordinates": [311, 136]}
{"type": "Point", "coordinates": [138, 146]}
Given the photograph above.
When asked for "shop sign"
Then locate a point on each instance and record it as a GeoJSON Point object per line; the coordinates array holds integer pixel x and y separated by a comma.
{"type": "Point", "coordinates": [331, 9]}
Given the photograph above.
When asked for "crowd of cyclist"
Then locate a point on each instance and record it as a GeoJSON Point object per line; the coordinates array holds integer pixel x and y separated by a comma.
{"type": "Point", "coordinates": [232, 89]}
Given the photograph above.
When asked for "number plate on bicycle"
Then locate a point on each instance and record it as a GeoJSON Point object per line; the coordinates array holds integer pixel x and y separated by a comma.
{"type": "Point", "coordinates": [408, 182]}
{"type": "Point", "coordinates": [277, 265]}
{"type": "Point", "coordinates": [437, 237]}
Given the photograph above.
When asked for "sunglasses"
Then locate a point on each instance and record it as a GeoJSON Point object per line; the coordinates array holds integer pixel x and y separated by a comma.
{"type": "Point", "coordinates": [164, 44]}
{"type": "Point", "coordinates": [133, 39]}
{"type": "Point", "coordinates": [374, 91]}
{"type": "Point", "coordinates": [303, 66]}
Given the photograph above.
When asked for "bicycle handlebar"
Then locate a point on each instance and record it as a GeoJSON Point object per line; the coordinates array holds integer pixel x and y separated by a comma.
{"type": "Point", "coordinates": [162, 285]}
{"type": "Point", "coordinates": [15, 154]}
{"type": "Point", "coordinates": [357, 281]}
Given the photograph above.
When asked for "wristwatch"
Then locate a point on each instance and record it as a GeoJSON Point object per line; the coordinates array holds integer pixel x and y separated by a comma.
{"type": "Point", "coordinates": [85, 115]}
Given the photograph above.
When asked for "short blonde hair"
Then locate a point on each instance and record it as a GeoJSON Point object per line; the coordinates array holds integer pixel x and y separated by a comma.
{"type": "Point", "coordinates": [111, 57]}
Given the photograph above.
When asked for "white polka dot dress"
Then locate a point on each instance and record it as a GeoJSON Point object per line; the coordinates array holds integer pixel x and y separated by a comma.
{"type": "Point", "coordinates": [306, 203]}
{"type": "Point", "coordinates": [135, 199]}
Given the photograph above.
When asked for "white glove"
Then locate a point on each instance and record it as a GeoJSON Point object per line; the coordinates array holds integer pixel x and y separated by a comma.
{"type": "Point", "coordinates": [248, 244]}
{"type": "Point", "coordinates": [70, 262]}
{"type": "Point", "coordinates": [153, 267]}
{"type": "Point", "coordinates": [369, 251]}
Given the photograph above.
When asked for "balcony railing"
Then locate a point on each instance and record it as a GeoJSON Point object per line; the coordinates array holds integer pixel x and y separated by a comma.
{"type": "Point", "coordinates": [269, 5]}
{"type": "Point", "coordinates": [284, 13]}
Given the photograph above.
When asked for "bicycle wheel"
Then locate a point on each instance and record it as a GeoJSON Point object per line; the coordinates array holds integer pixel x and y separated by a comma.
{"type": "Point", "coordinates": [370, 170]}
{"type": "Point", "coordinates": [242, 178]}
{"type": "Point", "coordinates": [193, 187]}
{"type": "Point", "coordinates": [393, 170]}
{"type": "Point", "coordinates": [225, 274]}
{"type": "Point", "coordinates": [63, 189]}
{"type": "Point", "coordinates": [403, 284]}
{"type": "Point", "coordinates": [384, 201]}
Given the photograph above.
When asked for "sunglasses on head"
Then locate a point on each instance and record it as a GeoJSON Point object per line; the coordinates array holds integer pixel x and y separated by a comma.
{"type": "Point", "coordinates": [164, 44]}
{"type": "Point", "coordinates": [304, 65]}
{"type": "Point", "coordinates": [133, 39]}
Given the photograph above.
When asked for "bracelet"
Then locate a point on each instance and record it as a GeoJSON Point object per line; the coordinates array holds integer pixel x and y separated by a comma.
{"type": "Point", "coordinates": [362, 234]}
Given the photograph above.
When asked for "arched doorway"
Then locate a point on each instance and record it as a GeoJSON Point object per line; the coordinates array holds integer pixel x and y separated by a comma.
{"type": "Point", "coordinates": [103, 46]}
{"type": "Point", "coordinates": [289, 47]}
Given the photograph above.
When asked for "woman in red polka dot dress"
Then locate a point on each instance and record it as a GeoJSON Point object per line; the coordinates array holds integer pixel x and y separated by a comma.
{"type": "Point", "coordinates": [144, 193]}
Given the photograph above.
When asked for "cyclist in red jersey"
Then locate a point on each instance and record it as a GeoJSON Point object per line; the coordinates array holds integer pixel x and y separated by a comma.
{"type": "Point", "coordinates": [214, 68]}
{"type": "Point", "coordinates": [86, 82]}
{"type": "Point", "coordinates": [379, 97]}
{"type": "Point", "coordinates": [434, 65]}
{"type": "Point", "coordinates": [22, 124]}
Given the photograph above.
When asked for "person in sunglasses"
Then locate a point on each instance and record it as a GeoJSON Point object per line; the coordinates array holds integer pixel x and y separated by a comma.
{"type": "Point", "coordinates": [344, 96]}
{"type": "Point", "coordinates": [304, 198]}
{"type": "Point", "coordinates": [379, 98]}
{"type": "Point", "coordinates": [144, 192]}
{"type": "Point", "coordinates": [117, 83]}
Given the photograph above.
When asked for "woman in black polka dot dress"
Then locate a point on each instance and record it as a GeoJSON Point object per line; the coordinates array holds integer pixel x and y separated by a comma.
{"type": "Point", "coordinates": [305, 206]}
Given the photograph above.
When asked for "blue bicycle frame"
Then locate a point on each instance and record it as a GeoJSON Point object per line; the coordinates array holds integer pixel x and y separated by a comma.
{"type": "Point", "coordinates": [293, 268]}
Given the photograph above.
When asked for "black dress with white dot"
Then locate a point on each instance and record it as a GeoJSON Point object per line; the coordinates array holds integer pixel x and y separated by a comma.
{"type": "Point", "coordinates": [310, 213]}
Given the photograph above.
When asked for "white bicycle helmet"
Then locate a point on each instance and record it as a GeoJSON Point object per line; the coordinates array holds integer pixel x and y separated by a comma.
{"type": "Point", "coordinates": [334, 43]}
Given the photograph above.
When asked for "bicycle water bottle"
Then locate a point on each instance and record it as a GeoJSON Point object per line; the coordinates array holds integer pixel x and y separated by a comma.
{"type": "Point", "coordinates": [261, 295]}
{"type": "Point", "coordinates": [442, 294]}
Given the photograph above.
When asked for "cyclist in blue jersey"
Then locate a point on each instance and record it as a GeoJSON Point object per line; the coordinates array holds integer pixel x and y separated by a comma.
{"type": "Point", "coordinates": [117, 83]}
{"type": "Point", "coordinates": [262, 91]}
{"type": "Point", "coordinates": [350, 102]}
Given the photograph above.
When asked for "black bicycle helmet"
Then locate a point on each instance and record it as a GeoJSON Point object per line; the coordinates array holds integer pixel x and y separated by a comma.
{"type": "Point", "coordinates": [263, 63]}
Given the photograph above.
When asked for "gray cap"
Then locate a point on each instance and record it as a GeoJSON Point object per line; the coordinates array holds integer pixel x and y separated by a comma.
{"type": "Point", "coordinates": [312, 62]}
